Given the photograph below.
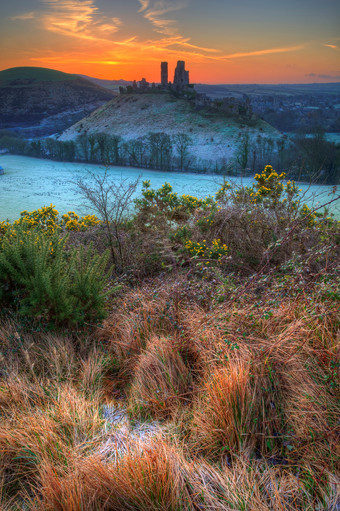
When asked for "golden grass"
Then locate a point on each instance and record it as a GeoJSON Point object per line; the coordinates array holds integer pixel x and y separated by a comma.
{"type": "Point", "coordinates": [246, 397]}
{"type": "Point", "coordinates": [162, 381]}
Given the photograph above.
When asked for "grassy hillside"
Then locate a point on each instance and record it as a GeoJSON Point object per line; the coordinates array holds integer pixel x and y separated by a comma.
{"type": "Point", "coordinates": [214, 135]}
{"type": "Point", "coordinates": [32, 74]}
{"type": "Point", "coordinates": [45, 98]}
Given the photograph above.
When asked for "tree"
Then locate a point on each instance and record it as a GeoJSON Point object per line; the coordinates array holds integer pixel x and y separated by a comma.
{"type": "Point", "coordinates": [113, 148]}
{"type": "Point", "coordinates": [93, 146]}
{"type": "Point", "coordinates": [111, 201]}
{"type": "Point", "coordinates": [136, 150]}
{"type": "Point", "coordinates": [103, 147]}
{"type": "Point", "coordinates": [243, 152]}
{"type": "Point", "coordinates": [319, 157]}
{"type": "Point", "coordinates": [160, 148]}
{"type": "Point", "coordinates": [84, 146]}
{"type": "Point", "coordinates": [182, 141]}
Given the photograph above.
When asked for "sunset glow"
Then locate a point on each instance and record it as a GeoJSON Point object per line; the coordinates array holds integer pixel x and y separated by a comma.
{"type": "Point", "coordinates": [221, 41]}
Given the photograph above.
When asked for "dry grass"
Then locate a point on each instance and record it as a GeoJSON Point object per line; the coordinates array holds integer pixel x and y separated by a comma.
{"type": "Point", "coordinates": [245, 395]}
{"type": "Point", "coordinates": [162, 381]}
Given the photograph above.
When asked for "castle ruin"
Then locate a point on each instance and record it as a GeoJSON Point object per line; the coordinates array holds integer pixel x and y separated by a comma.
{"type": "Point", "coordinates": [180, 84]}
{"type": "Point", "coordinates": [164, 74]}
{"type": "Point", "coordinates": [181, 78]}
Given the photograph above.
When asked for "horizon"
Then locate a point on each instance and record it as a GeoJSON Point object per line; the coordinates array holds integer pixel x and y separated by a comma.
{"type": "Point", "coordinates": [197, 83]}
{"type": "Point", "coordinates": [267, 43]}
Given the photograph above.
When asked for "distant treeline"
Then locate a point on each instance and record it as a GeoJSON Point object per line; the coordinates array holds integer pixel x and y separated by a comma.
{"type": "Point", "coordinates": [306, 157]}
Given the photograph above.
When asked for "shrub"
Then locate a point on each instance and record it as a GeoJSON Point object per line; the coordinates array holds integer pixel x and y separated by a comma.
{"type": "Point", "coordinates": [42, 278]}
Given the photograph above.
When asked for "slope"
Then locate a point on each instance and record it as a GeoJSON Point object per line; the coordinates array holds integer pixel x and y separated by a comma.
{"type": "Point", "coordinates": [214, 134]}
{"type": "Point", "coordinates": [46, 99]}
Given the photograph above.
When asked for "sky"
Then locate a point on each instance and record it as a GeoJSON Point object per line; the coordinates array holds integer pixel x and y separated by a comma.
{"type": "Point", "coordinates": [222, 41]}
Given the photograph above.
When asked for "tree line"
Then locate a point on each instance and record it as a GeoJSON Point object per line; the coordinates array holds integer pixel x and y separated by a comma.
{"type": "Point", "coordinates": [303, 158]}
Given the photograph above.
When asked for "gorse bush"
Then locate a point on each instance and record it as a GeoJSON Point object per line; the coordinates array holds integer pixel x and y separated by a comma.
{"type": "Point", "coordinates": [41, 277]}
{"type": "Point", "coordinates": [164, 204]}
{"type": "Point", "coordinates": [243, 223]}
{"type": "Point", "coordinates": [47, 220]}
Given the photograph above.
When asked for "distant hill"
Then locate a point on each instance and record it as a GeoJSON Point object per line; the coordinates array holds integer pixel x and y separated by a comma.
{"type": "Point", "coordinates": [40, 101]}
{"type": "Point", "coordinates": [29, 75]}
{"type": "Point", "coordinates": [108, 84]}
{"type": "Point", "coordinates": [254, 90]}
{"type": "Point", "coordinates": [214, 135]}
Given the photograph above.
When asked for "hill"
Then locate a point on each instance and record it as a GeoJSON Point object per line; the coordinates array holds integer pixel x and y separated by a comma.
{"type": "Point", "coordinates": [40, 101]}
{"type": "Point", "coordinates": [214, 134]}
{"type": "Point", "coordinates": [108, 84]}
{"type": "Point", "coordinates": [283, 90]}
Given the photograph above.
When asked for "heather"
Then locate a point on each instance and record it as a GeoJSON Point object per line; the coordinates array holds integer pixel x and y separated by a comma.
{"type": "Point", "coordinates": [184, 355]}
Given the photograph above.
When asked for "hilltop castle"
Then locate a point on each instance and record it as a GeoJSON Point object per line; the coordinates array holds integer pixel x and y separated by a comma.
{"type": "Point", "coordinates": [181, 87]}
{"type": "Point", "coordinates": [180, 84]}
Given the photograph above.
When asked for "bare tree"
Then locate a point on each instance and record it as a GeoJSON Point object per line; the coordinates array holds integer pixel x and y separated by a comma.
{"type": "Point", "coordinates": [84, 146]}
{"type": "Point", "coordinates": [111, 201]}
{"type": "Point", "coordinates": [243, 152]}
{"type": "Point", "coordinates": [182, 142]}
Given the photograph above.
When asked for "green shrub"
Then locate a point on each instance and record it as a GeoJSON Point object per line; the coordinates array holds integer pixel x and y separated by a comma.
{"type": "Point", "coordinates": [42, 277]}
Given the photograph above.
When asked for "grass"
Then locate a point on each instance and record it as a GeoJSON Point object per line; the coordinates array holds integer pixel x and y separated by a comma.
{"type": "Point", "coordinates": [245, 405]}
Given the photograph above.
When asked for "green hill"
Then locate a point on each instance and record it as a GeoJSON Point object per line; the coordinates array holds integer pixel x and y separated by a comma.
{"type": "Point", "coordinates": [15, 75]}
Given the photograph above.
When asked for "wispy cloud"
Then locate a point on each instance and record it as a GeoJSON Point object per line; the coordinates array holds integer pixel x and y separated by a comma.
{"type": "Point", "coordinates": [324, 76]}
{"type": "Point", "coordinates": [77, 18]}
{"type": "Point", "coordinates": [144, 5]}
{"type": "Point", "coordinates": [333, 46]}
{"type": "Point", "coordinates": [25, 16]}
{"type": "Point", "coordinates": [267, 51]}
{"type": "Point", "coordinates": [83, 20]}
{"type": "Point", "coordinates": [62, 59]}
{"type": "Point", "coordinates": [155, 10]}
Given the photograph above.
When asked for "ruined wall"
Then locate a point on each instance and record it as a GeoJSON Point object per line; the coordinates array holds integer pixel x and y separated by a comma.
{"type": "Point", "coordinates": [181, 78]}
{"type": "Point", "coordinates": [164, 74]}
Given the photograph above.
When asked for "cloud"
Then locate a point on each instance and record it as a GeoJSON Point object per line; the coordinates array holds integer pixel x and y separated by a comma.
{"type": "Point", "coordinates": [155, 10]}
{"type": "Point", "coordinates": [63, 59]}
{"type": "Point", "coordinates": [82, 19]}
{"type": "Point", "coordinates": [263, 52]}
{"type": "Point", "coordinates": [325, 77]}
{"type": "Point", "coordinates": [333, 46]}
{"type": "Point", "coordinates": [25, 16]}
{"type": "Point", "coordinates": [144, 5]}
{"type": "Point", "coordinates": [78, 18]}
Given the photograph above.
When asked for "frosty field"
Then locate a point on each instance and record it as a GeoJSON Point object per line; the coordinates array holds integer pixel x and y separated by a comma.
{"type": "Point", "coordinates": [29, 183]}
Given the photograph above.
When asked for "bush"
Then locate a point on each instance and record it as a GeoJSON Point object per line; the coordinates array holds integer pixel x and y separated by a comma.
{"type": "Point", "coordinates": [42, 278]}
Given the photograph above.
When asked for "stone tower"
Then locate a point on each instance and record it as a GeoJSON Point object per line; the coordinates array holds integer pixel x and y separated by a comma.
{"type": "Point", "coordinates": [181, 79]}
{"type": "Point", "coordinates": [164, 74]}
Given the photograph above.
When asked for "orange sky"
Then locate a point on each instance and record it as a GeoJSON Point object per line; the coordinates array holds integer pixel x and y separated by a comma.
{"type": "Point", "coordinates": [222, 41]}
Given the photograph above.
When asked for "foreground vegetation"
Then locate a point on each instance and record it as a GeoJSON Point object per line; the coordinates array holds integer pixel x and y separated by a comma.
{"type": "Point", "coordinates": [213, 382]}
